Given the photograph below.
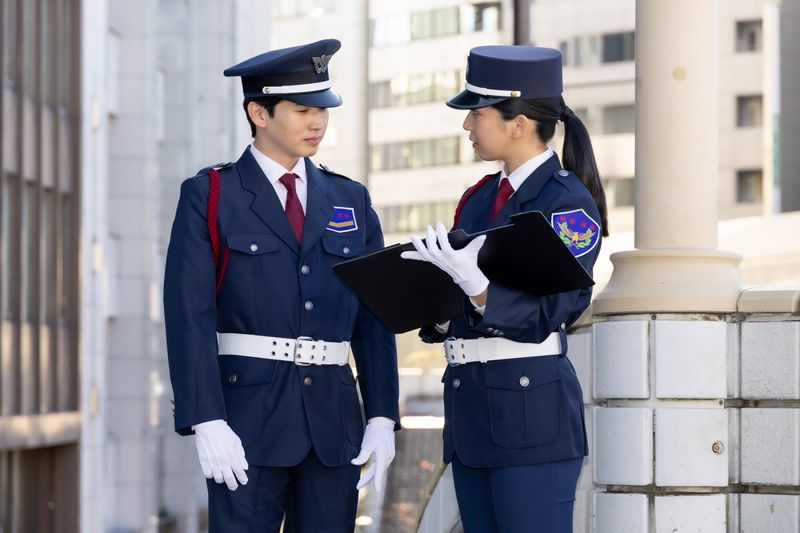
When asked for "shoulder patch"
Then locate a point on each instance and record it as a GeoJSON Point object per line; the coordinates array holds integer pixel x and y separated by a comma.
{"type": "Point", "coordinates": [578, 231]}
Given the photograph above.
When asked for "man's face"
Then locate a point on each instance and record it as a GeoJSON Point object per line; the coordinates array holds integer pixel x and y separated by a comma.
{"type": "Point", "coordinates": [295, 130]}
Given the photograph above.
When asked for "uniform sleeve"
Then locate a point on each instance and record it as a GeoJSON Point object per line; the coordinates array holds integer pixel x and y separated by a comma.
{"type": "Point", "coordinates": [522, 317]}
{"type": "Point", "coordinates": [190, 313]}
{"type": "Point", "coordinates": [374, 347]}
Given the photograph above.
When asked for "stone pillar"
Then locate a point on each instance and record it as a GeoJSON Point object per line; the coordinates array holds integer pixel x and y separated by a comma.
{"type": "Point", "coordinates": [676, 266]}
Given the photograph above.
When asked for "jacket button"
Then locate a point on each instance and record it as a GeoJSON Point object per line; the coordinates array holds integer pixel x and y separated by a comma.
{"type": "Point", "coordinates": [524, 381]}
{"type": "Point", "coordinates": [563, 325]}
{"type": "Point", "coordinates": [232, 379]}
{"type": "Point", "coordinates": [305, 269]}
{"type": "Point", "coordinates": [309, 305]}
{"type": "Point", "coordinates": [308, 381]}
{"type": "Point", "coordinates": [345, 250]}
{"type": "Point", "coordinates": [563, 173]}
{"type": "Point", "coordinates": [456, 383]}
{"type": "Point", "coordinates": [254, 247]}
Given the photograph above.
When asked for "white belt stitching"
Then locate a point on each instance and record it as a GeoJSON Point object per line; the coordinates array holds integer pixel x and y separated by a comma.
{"type": "Point", "coordinates": [300, 351]}
{"type": "Point", "coordinates": [485, 349]}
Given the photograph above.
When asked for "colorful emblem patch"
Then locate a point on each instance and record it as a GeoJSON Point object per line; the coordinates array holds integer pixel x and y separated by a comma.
{"type": "Point", "coordinates": [577, 230]}
{"type": "Point", "coordinates": [343, 220]}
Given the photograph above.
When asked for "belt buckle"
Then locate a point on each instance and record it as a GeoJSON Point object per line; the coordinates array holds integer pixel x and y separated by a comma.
{"type": "Point", "coordinates": [297, 345]}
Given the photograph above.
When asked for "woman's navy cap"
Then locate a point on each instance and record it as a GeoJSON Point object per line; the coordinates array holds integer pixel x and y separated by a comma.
{"type": "Point", "coordinates": [298, 74]}
{"type": "Point", "coordinates": [497, 73]}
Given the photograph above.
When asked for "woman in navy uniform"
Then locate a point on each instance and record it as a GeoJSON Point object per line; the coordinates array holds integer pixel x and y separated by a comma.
{"type": "Point", "coordinates": [259, 329]}
{"type": "Point", "coordinates": [514, 428]}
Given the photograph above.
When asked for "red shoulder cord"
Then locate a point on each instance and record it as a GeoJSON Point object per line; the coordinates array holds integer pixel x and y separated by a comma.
{"type": "Point", "coordinates": [211, 216]}
{"type": "Point", "coordinates": [469, 192]}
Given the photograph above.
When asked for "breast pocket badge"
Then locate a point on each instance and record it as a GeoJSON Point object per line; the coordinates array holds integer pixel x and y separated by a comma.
{"type": "Point", "coordinates": [342, 220]}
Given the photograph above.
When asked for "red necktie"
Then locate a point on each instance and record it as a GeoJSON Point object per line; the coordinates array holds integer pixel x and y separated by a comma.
{"type": "Point", "coordinates": [294, 211]}
{"type": "Point", "coordinates": [504, 192]}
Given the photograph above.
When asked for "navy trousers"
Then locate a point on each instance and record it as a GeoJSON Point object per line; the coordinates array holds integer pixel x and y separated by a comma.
{"type": "Point", "coordinates": [313, 497]}
{"type": "Point", "coordinates": [517, 499]}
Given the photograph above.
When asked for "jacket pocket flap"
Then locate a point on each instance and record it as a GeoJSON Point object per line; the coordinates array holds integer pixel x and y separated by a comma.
{"type": "Point", "coordinates": [253, 243]}
{"type": "Point", "coordinates": [521, 374]}
{"type": "Point", "coordinates": [239, 371]}
{"type": "Point", "coordinates": [343, 246]}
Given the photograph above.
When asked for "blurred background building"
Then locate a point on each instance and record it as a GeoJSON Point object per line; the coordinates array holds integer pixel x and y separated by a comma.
{"type": "Point", "coordinates": [107, 105]}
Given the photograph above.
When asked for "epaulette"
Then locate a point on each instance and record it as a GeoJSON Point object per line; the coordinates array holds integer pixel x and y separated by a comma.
{"type": "Point", "coordinates": [327, 170]}
{"type": "Point", "coordinates": [218, 166]}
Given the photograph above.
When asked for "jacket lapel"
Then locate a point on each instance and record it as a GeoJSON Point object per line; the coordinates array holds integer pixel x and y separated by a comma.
{"type": "Point", "coordinates": [319, 207]}
{"type": "Point", "coordinates": [266, 204]}
{"type": "Point", "coordinates": [529, 190]}
{"type": "Point", "coordinates": [475, 216]}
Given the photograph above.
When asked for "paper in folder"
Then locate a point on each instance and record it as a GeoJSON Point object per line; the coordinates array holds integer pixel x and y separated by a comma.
{"type": "Point", "coordinates": [404, 294]}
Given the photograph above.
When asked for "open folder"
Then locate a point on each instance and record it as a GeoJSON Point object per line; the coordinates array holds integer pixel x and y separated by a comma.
{"type": "Point", "coordinates": [526, 254]}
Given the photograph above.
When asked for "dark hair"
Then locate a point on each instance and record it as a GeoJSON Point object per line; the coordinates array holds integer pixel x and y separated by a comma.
{"type": "Point", "coordinates": [267, 102]}
{"type": "Point", "coordinates": [578, 153]}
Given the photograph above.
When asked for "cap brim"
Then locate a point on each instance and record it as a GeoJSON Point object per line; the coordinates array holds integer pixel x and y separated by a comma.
{"type": "Point", "coordinates": [326, 98]}
{"type": "Point", "coordinates": [469, 100]}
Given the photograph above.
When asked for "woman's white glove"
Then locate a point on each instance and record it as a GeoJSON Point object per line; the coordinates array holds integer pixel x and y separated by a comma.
{"type": "Point", "coordinates": [462, 265]}
{"type": "Point", "coordinates": [221, 453]}
{"type": "Point", "coordinates": [378, 440]}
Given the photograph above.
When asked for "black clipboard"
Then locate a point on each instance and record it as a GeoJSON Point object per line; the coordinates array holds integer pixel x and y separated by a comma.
{"type": "Point", "coordinates": [526, 254]}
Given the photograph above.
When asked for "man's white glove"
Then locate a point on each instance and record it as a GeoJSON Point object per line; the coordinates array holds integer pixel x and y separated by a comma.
{"type": "Point", "coordinates": [221, 453]}
{"type": "Point", "coordinates": [462, 265]}
{"type": "Point", "coordinates": [378, 440]}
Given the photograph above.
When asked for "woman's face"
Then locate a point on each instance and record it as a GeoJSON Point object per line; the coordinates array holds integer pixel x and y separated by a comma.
{"type": "Point", "coordinates": [489, 132]}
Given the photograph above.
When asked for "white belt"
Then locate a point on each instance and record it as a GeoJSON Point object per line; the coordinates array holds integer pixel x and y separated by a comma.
{"type": "Point", "coordinates": [484, 349]}
{"type": "Point", "coordinates": [300, 351]}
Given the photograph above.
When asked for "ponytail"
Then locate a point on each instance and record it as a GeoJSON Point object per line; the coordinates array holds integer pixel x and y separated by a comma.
{"type": "Point", "coordinates": [579, 158]}
{"type": "Point", "coordinates": [577, 152]}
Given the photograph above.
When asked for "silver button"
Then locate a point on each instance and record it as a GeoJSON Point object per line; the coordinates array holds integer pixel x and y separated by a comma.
{"type": "Point", "coordinates": [305, 270]}
{"type": "Point", "coordinates": [254, 247]}
{"type": "Point", "coordinates": [232, 379]}
{"type": "Point", "coordinates": [308, 381]}
{"type": "Point", "coordinates": [456, 383]}
{"type": "Point", "coordinates": [309, 305]}
{"type": "Point", "coordinates": [563, 326]}
{"type": "Point", "coordinates": [345, 250]}
{"type": "Point", "coordinates": [524, 381]}
{"type": "Point", "coordinates": [563, 173]}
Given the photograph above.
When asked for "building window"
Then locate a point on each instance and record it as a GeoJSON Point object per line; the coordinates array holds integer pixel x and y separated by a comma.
{"type": "Point", "coordinates": [416, 89]}
{"type": "Point", "coordinates": [619, 119]}
{"type": "Point", "coordinates": [748, 35]}
{"type": "Point", "coordinates": [39, 202]}
{"type": "Point", "coordinates": [486, 16]}
{"type": "Point", "coordinates": [435, 23]}
{"type": "Point", "coordinates": [415, 217]}
{"type": "Point", "coordinates": [749, 186]}
{"type": "Point", "coordinates": [563, 46]}
{"type": "Point", "coordinates": [618, 47]}
{"type": "Point", "coordinates": [749, 111]}
{"type": "Point", "coordinates": [415, 154]}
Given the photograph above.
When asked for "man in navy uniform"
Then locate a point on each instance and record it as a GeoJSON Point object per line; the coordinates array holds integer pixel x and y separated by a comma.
{"type": "Point", "coordinates": [259, 329]}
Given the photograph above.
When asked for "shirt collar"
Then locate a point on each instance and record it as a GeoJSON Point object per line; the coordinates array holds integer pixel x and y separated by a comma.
{"type": "Point", "coordinates": [274, 170]}
{"type": "Point", "coordinates": [527, 168]}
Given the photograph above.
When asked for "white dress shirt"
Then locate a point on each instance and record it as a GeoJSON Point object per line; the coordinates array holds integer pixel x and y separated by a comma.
{"type": "Point", "coordinates": [274, 170]}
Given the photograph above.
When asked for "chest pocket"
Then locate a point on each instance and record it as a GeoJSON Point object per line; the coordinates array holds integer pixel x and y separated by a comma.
{"type": "Point", "coordinates": [344, 247]}
{"type": "Point", "coordinates": [253, 243]}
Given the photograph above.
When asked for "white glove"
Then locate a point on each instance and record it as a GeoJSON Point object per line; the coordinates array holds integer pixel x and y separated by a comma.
{"type": "Point", "coordinates": [221, 453]}
{"type": "Point", "coordinates": [379, 440]}
{"type": "Point", "coordinates": [462, 265]}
